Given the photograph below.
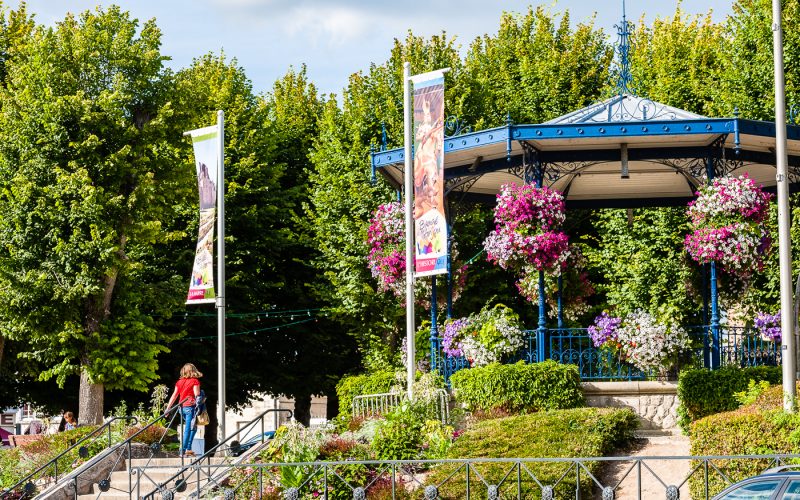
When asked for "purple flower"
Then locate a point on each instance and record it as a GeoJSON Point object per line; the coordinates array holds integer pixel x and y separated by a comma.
{"type": "Point", "coordinates": [769, 325]}
{"type": "Point", "coordinates": [451, 342]}
{"type": "Point", "coordinates": [604, 329]}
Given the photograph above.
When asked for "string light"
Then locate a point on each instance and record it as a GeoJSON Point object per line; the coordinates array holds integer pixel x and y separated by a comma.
{"type": "Point", "coordinates": [276, 328]}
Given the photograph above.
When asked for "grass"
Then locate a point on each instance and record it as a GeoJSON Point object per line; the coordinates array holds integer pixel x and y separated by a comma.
{"type": "Point", "coordinates": [581, 432]}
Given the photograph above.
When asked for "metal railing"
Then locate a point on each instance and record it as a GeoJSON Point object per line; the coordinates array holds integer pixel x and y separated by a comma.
{"type": "Point", "coordinates": [41, 477]}
{"type": "Point", "coordinates": [493, 478]}
{"type": "Point", "coordinates": [204, 473]}
{"type": "Point", "coordinates": [124, 452]}
{"type": "Point", "coordinates": [736, 346]}
{"type": "Point", "coordinates": [375, 405]}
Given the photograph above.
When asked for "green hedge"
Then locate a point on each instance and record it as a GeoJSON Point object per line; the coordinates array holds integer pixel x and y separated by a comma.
{"type": "Point", "coordinates": [703, 392]}
{"type": "Point", "coordinates": [760, 428]}
{"type": "Point", "coordinates": [519, 387]}
{"type": "Point", "coordinates": [357, 385]}
{"type": "Point", "coordinates": [579, 432]}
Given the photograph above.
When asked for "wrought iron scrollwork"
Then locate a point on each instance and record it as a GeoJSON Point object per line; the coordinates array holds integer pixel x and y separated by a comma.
{"type": "Point", "coordinates": [453, 126]}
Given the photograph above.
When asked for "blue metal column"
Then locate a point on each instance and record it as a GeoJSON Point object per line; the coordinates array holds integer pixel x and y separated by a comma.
{"type": "Point", "coordinates": [715, 334]}
{"type": "Point", "coordinates": [449, 275]}
{"type": "Point", "coordinates": [715, 338]}
{"type": "Point", "coordinates": [706, 318]}
{"type": "Point", "coordinates": [434, 329]}
{"type": "Point", "coordinates": [561, 300]}
{"type": "Point", "coordinates": [541, 331]}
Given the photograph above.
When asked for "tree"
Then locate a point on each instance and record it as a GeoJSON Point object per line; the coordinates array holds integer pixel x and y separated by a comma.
{"type": "Point", "coordinates": [86, 177]}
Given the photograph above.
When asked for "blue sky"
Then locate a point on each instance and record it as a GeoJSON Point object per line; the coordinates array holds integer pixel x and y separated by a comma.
{"type": "Point", "coordinates": [335, 38]}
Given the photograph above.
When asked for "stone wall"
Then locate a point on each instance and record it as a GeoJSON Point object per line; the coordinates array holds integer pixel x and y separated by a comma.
{"type": "Point", "coordinates": [656, 403]}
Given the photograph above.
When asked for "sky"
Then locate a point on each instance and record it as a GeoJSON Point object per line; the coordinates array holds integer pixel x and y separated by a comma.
{"type": "Point", "coordinates": [335, 38]}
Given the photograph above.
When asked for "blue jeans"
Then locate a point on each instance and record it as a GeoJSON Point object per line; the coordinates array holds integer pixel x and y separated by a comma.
{"type": "Point", "coordinates": [189, 428]}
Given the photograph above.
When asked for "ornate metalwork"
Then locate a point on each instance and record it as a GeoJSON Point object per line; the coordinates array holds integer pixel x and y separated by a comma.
{"type": "Point", "coordinates": [167, 495]}
{"type": "Point", "coordinates": [624, 78]}
{"type": "Point", "coordinates": [608, 493]}
{"type": "Point", "coordinates": [547, 493]}
{"type": "Point", "coordinates": [673, 493]}
{"type": "Point", "coordinates": [431, 492]}
{"type": "Point", "coordinates": [104, 485]}
{"type": "Point", "coordinates": [228, 494]}
{"type": "Point", "coordinates": [180, 485]}
{"type": "Point", "coordinates": [291, 494]}
{"type": "Point", "coordinates": [493, 492]}
{"type": "Point", "coordinates": [461, 184]}
{"type": "Point", "coordinates": [453, 126]}
{"type": "Point", "coordinates": [557, 170]}
{"type": "Point", "coordinates": [359, 493]}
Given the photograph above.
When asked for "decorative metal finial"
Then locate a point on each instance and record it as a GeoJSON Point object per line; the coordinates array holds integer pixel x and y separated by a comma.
{"type": "Point", "coordinates": [383, 136]}
{"type": "Point", "coordinates": [623, 48]}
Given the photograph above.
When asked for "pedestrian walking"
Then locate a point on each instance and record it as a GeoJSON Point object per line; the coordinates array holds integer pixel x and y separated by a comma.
{"type": "Point", "coordinates": [187, 389]}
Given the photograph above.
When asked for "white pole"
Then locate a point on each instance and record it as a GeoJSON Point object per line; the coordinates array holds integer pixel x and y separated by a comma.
{"type": "Point", "coordinates": [784, 242]}
{"type": "Point", "coordinates": [221, 277]}
{"type": "Point", "coordinates": [409, 188]}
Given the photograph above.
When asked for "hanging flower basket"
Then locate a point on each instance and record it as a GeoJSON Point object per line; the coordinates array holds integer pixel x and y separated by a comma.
{"type": "Point", "coordinates": [527, 235]}
{"type": "Point", "coordinates": [387, 258]}
{"type": "Point", "coordinates": [727, 220]}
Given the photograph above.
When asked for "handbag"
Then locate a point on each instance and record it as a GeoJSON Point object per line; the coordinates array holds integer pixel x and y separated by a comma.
{"type": "Point", "coordinates": [202, 418]}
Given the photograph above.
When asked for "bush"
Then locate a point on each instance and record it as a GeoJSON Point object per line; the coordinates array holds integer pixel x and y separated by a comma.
{"type": "Point", "coordinates": [581, 432]}
{"type": "Point", "coordinates": [703, 392]}
{"type": "Point", "coordinates": [399, 437]}
{"type": "Point", "coordinates": [760, 428]}
{"type": "Point", "coordinates": [519, 387]}
{"type": "Point", "coordinates": [357, 385]}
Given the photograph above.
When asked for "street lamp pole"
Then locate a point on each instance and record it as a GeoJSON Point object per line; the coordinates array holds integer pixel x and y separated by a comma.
{"type": "Point", "coordinates": [784, 242]}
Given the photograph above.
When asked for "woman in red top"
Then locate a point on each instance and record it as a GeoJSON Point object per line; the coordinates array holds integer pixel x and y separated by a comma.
{"type": "Point", "coordinates": [186, 390]}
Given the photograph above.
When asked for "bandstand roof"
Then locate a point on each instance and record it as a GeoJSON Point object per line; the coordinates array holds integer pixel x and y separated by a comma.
{"type": "Point", "coordinates": [669, 152]}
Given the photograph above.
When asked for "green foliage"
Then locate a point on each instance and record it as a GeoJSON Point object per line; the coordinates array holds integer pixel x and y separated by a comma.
{"type": "Point", "coordinates": [519, 387]}
{"type": "Point", "coordinates": [704, 392]}
{"type": "Point", "coordinates": [87, 170]}
{"type": "Point", "coordinates": [644, 265]}
{"type": "Point", "coordinates": [357, 385]}
{"type": "Point", "coordinates": [437, 439]}
{"type": "Point", "coordinates": [753, 391]}
{"type": "Point", "coordinates": [759, 428]}
{"type": "Point", "coordinates": [399, 436]}
{"type": "Point", "coordinates": [582, 432]}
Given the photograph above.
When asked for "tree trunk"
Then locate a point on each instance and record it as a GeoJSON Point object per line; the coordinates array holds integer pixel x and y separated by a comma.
{"type": "Point", "coordinates": [302, 409]}
{"type": "Point", "coordinates": [90, 401]}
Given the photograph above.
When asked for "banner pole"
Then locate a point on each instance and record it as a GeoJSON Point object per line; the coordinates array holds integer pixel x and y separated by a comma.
{"type": "Point", "coordinates": [409, 188]}
{"type": "Point", "coordinates": [221, 278]}
{"type": "Point", "coordinates": [784, 242]}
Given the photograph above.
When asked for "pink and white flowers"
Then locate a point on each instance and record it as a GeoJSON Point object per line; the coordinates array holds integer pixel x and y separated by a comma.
{"type": "Point", "coordinates": [527, 221]}
{"type": "Point", "coordinates": [727, 219]}
{"type": "Point", "coordinates": [387, 257]}
{"type": "Point", "coordinates": [650, 345]}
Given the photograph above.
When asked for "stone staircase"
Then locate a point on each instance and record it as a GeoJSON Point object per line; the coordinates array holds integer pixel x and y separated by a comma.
{"type": "Point", "coordinates": [124, 486]}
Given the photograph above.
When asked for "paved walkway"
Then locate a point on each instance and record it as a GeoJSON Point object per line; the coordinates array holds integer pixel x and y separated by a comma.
{"type": "Point", "coordinates": [668, 472]}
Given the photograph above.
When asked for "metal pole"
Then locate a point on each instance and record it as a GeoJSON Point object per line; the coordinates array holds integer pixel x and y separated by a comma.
{"type": "Point", "coordinates": [221, 278]}
{"type": "Point", "coordinates": [784, 243]}
{"type": "Point", "coordinates": [409, 188]}
{"type": "Point", "coordinates": [561, 300]}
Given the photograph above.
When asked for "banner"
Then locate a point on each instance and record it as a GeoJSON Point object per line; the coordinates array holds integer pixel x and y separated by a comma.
{"type": "Point", "coordinates": [206, 155]}
{"type": "Point", "coordinates": [430, 225]}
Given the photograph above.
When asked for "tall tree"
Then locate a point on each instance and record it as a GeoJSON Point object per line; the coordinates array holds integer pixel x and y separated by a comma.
{"type": "Point", "coordinates": [86, 176]}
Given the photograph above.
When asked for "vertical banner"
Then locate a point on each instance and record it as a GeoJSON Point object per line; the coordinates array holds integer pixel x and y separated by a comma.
{"type": "Point", "coordinates": [430, 225]}
{"type": "Point", "coordinates": [206, 155]}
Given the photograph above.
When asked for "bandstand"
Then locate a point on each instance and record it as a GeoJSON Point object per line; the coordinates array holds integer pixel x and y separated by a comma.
{"type": "Point", "coordinates": [624, 152]}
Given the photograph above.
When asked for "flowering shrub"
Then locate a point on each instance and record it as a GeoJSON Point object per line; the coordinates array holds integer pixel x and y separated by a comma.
{"type": "Point", "coordinates": [526, 234]}
{"type": "Point", "coordinates": [574, 291]}
{"type": "Point", "coordinates": [649, 345]}
{"type": "Point", "coordinates": [604, 330]}
{"type": "Point", "coordinates": [387, 258]}
{"type": "Point", "coordinates": [769, 325]}
{"type": "Point", "coordinates": [484, 337]}
{"type": "Point", "coordinates": [727, 220]}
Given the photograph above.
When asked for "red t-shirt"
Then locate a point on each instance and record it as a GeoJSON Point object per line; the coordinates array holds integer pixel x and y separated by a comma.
{"type": "Point", "coordinates": [185, 387]}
